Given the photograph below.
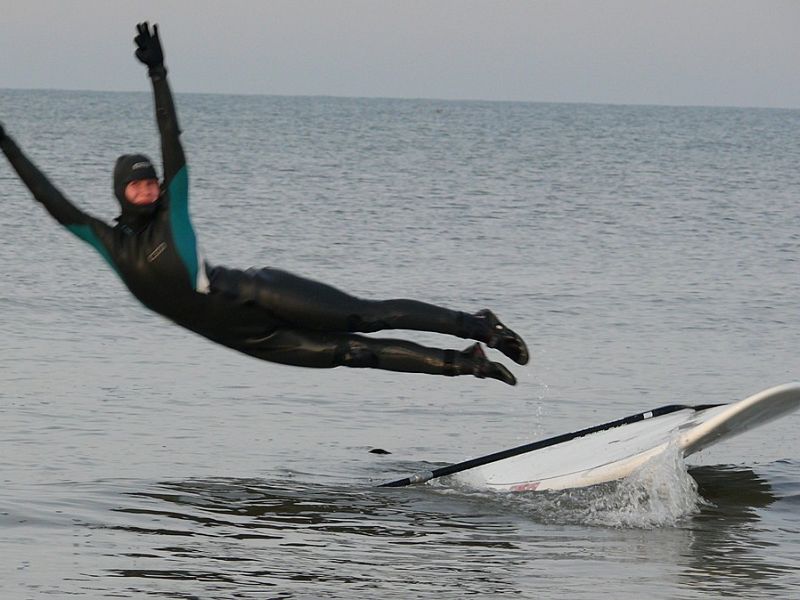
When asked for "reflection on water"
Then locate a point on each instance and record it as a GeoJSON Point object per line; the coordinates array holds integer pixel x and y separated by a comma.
{"type": "Point", "coordinates": [732, 491]}
{"type": "Point", "coordinates": [729, 552]}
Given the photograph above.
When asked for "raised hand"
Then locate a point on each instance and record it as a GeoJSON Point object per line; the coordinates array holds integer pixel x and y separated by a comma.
{"type": "Point", "coordinates": [148, 46]}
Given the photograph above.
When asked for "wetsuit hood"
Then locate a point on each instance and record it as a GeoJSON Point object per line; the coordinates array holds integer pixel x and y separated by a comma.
{"type": "Point", "coordinates": [133, 167]}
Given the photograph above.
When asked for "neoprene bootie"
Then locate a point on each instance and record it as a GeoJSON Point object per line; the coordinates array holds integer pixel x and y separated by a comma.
{"type": "Point", "coordinates": [502, 338]}
{"type": "Point", "coordinates": [482, 367]}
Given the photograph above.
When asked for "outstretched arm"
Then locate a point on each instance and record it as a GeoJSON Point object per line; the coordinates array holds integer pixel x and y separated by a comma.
{"type": "Point", "coordinates": [150, 53]}
{"type": "Point", "coordinates": [45, 192]}
{"type": "Point", "coordinates": [176, 177]}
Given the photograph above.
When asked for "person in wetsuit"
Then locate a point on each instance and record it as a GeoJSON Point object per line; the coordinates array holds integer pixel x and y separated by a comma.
{"type": "Point", "coordinates": [267, 313]}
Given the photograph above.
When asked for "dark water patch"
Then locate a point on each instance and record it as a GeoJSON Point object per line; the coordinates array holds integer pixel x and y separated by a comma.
{"type": "Point", "coordinates": [306, 536]}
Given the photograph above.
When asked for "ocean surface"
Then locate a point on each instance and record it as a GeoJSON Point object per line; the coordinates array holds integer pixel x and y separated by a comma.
{"type": "Point", "coordinates": [649, 256]}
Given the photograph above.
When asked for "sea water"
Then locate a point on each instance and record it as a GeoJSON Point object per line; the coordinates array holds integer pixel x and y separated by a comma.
{"type": "Point", "coordinates": [649, 255]}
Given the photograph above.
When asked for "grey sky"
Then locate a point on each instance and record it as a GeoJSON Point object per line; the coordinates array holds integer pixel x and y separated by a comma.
{"type": "Point", "coordinates": [696, 52]}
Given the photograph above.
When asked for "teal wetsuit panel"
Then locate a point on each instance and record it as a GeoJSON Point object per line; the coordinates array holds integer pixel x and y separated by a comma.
{"type": "Point", "coordinates": [182, 231]}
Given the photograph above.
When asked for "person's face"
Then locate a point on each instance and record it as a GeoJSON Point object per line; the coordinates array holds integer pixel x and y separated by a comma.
{"type": "Point", "coordinates": [142, 191]}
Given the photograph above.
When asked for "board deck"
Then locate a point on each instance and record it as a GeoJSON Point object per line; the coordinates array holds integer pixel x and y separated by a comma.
{"type": "Point", "coordinates": [613, 450]}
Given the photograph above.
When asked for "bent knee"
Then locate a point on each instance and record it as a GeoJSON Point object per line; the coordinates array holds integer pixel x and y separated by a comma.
{"type": "Point", "coordinates": [356, 354]}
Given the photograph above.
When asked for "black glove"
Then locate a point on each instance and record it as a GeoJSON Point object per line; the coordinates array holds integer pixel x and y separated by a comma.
{"type": "Point", "coordinates": [149, 46]}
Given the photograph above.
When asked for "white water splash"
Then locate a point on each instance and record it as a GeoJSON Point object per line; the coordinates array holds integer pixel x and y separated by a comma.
{"type": "Point", "coordinates": [660, 493]}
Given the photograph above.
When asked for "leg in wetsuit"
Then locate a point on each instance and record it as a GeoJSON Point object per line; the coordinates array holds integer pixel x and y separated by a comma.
{"type": "Point", "coordinates": [321, 323]}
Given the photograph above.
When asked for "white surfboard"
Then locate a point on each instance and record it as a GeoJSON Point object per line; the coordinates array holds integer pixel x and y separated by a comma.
{"type": "Point", "coordinates": [613, 450]}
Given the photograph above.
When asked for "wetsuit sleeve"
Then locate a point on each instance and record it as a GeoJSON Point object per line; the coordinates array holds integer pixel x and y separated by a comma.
{"type": "Point", "coordinates": [86, 227]}
{"type": "Point", "coordinates": [167, 118]}
{"type": "Point", "coordinates": [45, 192]}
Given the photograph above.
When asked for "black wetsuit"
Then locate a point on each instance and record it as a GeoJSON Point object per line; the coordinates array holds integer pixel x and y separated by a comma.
{"type": "Point", "coordinates": [266, 313]}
